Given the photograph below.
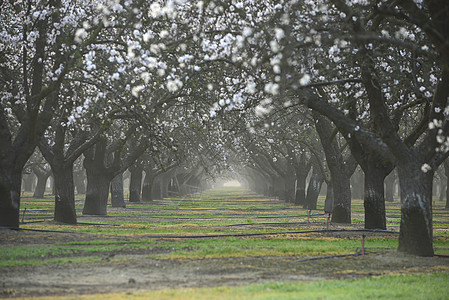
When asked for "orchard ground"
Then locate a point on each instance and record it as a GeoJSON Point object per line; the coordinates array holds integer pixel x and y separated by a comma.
{"type": "Point", "coordinates": [223, 243]}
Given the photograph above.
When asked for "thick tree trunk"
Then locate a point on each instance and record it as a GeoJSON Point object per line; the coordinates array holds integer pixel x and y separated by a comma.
{"type": "Point", "coordinates": [10, 197]}
{"type": "Point", "coordinates": [41, 185]}
{"type": "Point", "coordinates": [96, 194]}
{"type": "Point", "coordinates": [135, 183]}
{"type": "Point", "coordinates": [64, 195]}
{"type": "Point", "coordinates": [117, 192]}
{"type": "Point", "coordinates": [341, 184]}
{"type": "Point", "coordinates": [416, 233]}
{"type": "Point", "coordinates": [314, 188]}
{"type": "Point", "coordinates": [374, 200]}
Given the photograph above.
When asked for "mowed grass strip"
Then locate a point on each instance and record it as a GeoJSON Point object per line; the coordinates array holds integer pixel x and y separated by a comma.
{"type": "Point", "coordinates": [425, 286]}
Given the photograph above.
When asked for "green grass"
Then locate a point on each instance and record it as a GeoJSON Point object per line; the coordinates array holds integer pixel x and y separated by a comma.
{"type": "Point", "coordinates": [238, 247]}
{"type": "Point", "coordinates": [215, 204]}
{"type": "Point", "coordinates": [427, 286]}
{"type": "Point", "coordinates": [63, 253]}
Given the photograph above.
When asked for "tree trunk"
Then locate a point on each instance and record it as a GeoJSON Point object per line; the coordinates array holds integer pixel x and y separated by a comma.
{"type": "Point", "coordinates": [329, 201]}
{"type": "Point", "coordinates": [314, 188]}
{"type": "Point", "coordinates": [156, 192]}
{"type": "Point", "coordinates": [442, 191]}
{"type": "Point", "coordinates": [10, 197]}
{"type": "Point", "coordinates": [289, 188]}
{"type": "Point", "coordinates": [164, 186]}
{"type": "Point", "coordinates": [147, 189]}
{"type": "Point", "coordinates": [374, 200]}
{"type": "Point", "coordinates": [117, 193]}
{"type": "Point", "coordinates": [389, 187]}
{"type": "Point", "coordinates": [416, 233]}
{"type": "Point", "coordinates": [64, 194]}
{"type": "Point", "coordinates": [446, 172]}
{"type": "Point", "coordinates": [41, 185]}
{"type": "Point", "coordinates": [78, 179]}
{"type": "Point", "coordinates": [300, 193]}
{"type": "Point", "coordinates": [341, 184]}
{"type": "Point", "coordinates": [135, 183]}
{"type": "Point", "coordinates": [96, 194]}
{"type": "Point", "coordinates": [28, 180]}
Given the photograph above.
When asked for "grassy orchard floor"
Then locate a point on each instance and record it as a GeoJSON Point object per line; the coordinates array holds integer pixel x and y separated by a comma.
{"type": "Point", "coordinates": [223, 243]}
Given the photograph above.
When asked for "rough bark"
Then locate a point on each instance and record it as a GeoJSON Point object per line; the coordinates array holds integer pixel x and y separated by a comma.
{"type": "Point", "coordinates": [416, 232]}
{"type": "Point", "coordinates": [341, 184]}
{"type": "Point", "coordinates": [374, 201]}
{"type": "Point", "coordinates": [97, 193]}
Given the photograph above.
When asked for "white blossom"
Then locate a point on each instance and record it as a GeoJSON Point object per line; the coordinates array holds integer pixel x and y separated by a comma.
{"type": "Point", "coordinates": [305, 79]}
{"type": "Point", "coordinates": [426, 168]}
